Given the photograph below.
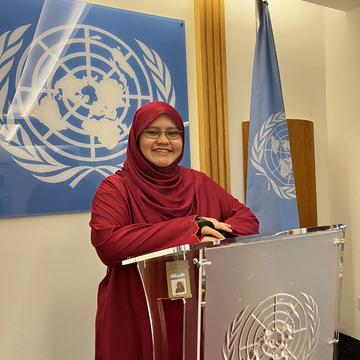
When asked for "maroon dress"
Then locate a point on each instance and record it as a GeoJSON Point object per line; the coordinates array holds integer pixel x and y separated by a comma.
{"type": "Point", "coordinates": [141, 209]}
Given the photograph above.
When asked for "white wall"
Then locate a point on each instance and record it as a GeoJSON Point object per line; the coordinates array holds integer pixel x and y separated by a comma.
{"type": "Point", "coordinates": [48, 278]}
{"type": "Point", "coordinates": [49, 271]}
{"type": "Point", "coordinates": [343, 90]}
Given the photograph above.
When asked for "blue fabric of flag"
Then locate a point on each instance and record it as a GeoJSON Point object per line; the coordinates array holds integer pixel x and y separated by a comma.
{"type": "Point", "coordinates": [270, 190]}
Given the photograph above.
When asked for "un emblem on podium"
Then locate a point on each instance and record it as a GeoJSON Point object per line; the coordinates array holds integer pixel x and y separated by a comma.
{"type": "Point", "coordinates": [77, 88]}
{"type": "Point", "coordinates": [281, 327]}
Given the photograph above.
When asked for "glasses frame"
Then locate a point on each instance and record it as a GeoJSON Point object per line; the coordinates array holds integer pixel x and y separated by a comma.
{"type": "Point", "coordinates": [162, 131]}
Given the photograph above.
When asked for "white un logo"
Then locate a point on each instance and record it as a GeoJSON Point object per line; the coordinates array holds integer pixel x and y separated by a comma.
{"type": "Point", "coordinates": [277, 155]}
{"type": "Point", "coordinates": [281, 327]}
{"type": "Point", "coordinates": [86, 83]}
{"type": "Point", "coordinates": [77, 88]}
{"type": "Point", "coordinates": [271, 157]}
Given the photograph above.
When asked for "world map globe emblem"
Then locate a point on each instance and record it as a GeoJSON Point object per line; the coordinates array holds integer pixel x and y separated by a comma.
{"type": "Point", "coordinates": [271, 158]}
{"type": "Point", "coordinates": [277, 158]}
{"type": "Point", "coordinates": [77, 90]}
{"type": "Point", "coordinates": [280, 327]}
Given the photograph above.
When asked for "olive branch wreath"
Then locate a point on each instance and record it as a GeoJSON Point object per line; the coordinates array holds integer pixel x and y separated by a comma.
{"type": "Point", "coordinates": [236, 328]}
{"type": "Point", "coordinates": [34, 158]}
{"type": "Point", "coordinates": [257, 154]}
{"type": "Point", "coordinates": [229, 347]}
{"type": "Point", "coordinates": [314, 321]}
{"type": "Point", "coordinates": [160, 74]}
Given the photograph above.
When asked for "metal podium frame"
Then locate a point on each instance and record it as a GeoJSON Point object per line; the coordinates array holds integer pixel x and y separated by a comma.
{"type": "Point", "coordinates": [194, 323]}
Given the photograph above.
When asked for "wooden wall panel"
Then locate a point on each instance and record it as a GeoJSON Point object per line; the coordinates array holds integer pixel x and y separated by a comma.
{"type": "Point", "coordinates": [212, 90]}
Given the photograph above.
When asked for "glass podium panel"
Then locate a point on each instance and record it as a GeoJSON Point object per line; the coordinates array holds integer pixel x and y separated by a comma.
{"type": "Point", "coordinates": [273, 298]}
{"type": "Point", "coordinates": [252, 298]}
{"type": "Point", "coordinates": [174, 322]}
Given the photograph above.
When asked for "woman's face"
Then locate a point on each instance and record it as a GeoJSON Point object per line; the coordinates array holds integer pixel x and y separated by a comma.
{"type": "Point", "coordinates": [161, 152]}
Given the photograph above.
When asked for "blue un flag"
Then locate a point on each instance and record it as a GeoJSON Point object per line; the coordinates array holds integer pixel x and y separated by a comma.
{"type": "Point", "coordinates": [270, 190]}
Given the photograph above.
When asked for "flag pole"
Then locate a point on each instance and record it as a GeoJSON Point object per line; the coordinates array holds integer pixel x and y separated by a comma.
{"type": "Point", "coordinates": [258, 11]}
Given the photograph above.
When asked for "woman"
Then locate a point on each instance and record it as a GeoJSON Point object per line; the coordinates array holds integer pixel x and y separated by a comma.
{"type": "Point", "coordinates": [151, 204]}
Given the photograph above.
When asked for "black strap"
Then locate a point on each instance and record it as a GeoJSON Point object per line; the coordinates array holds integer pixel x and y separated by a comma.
{"type": "Point", "coordinates": [201, 222]}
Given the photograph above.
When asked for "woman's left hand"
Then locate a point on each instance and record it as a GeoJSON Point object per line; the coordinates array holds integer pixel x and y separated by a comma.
{"type": "Point", "coordinates": [218, 225]}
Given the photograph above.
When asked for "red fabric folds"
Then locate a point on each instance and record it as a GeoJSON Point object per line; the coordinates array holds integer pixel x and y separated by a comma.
{"type": "Point", "coordinates": [170, 190]}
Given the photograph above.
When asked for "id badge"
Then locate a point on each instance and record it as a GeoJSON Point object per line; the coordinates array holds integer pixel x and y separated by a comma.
{"type": "Point", "coordinates": [178, 279]}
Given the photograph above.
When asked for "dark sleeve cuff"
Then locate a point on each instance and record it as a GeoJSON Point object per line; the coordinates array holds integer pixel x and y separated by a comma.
{"type": "Point", "coordinates": [201, 222]}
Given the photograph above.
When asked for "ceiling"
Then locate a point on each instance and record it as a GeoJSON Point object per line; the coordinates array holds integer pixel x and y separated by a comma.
{"type": "Point", "coordinates": [344, 5]}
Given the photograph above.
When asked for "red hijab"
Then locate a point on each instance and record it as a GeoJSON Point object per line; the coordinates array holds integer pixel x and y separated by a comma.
{"type": "Point", "coordinates": [168, 190]}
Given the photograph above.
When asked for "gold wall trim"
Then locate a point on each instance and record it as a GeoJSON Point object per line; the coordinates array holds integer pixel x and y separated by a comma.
{"type": "Point", "coordinates": [212, 90]}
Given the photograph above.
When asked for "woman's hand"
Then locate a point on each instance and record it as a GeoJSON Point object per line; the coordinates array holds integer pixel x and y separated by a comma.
{"type": "Point", "coordinates": [211, 239]}
{"type": "Point", "coordinates": [212, 234]}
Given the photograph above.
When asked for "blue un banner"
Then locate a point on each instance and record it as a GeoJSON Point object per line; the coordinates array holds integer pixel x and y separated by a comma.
{"type": "Point", "coordinates": [270, 190]}
{"type": "Point", "coordinates": [72, 76]}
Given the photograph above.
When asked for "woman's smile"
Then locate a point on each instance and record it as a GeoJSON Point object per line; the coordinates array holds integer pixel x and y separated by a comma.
{"type": "Point", "coordinates": [162, 150]}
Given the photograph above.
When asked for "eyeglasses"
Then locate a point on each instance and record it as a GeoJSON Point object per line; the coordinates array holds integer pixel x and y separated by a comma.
{"type": "Point", "coordinates": [154, 133]}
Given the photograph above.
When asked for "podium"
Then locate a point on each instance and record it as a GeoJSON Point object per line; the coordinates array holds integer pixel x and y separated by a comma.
{"type": "Point", "coordinates": [246, 298]}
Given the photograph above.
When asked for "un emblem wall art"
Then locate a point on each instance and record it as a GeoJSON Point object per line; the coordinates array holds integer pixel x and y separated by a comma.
{"type": "Point", "coordinates": [72, 76]}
